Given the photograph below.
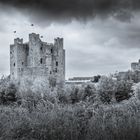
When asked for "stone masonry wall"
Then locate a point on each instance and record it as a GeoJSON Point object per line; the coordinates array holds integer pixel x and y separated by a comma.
{"type": "Point", "coordinates": [38, 60]}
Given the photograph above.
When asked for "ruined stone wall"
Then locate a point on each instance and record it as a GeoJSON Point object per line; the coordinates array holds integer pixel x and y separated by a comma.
{"type": "Point", "coordinates": [35, 77]}
{"type": "Point", "coordinates": [34, 48]}
{"type": "Point", "coordinates": [135, 66]}
{"type": "Point", "coordinates": [14, 57]}
{"type": "Point", "coordinates": [59, 62]}
{"type": "Point", "coordinates": [33, 72]}
{"type": "Point", "coordinates": [38, 60]}
{"type": "Point", "coordinates": [22, 52]}
{"type": "Point", "coordinates": [22, 56]}
{"type": "Point", "coordinates": [13, 62]}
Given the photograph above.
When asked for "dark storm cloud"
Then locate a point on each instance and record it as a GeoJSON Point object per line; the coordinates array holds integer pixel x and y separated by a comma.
{"type": "Point", "coordinates": [66, 10]}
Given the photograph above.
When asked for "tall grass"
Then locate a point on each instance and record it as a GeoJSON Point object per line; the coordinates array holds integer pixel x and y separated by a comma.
{"type": "Point", "coordinates": [72, 122]}
{"type": "Point", "coordinates": [77, 114]}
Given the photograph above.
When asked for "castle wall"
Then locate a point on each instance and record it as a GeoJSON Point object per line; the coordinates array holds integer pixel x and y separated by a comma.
{"type": "Point", "coordinates": [34, 77]}
{"type": "Point", "coordinates": [38, 60]}
{"type": "Point", "coordinates": [34, 50]}
{"type": "Point", "coordinates": [59, 65]}
{"type": "Point", "coordinates": [13, 62]}
{"type": "Point", "coordinates": [22, 53]}
{"type": "Point", "coordinates": [32, 72]}
{"type": "Point", "coordinates": [134, 66]}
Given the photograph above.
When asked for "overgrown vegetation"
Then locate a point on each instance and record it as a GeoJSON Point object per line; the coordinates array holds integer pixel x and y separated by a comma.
{"type": "Point", "coordinates": [107, 110]}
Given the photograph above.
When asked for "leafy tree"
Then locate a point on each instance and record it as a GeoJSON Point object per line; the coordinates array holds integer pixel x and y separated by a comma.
{"type": "Point", "coordinates": [107, 89]}
{"type": "Point", "coordinates": [8, 91]}
{"type": "Point", "coordinates": [96, 78]}
{"type": "Point", "coordinates": [74, 95]}
{"type": "Point", "coordinates": [124, 88]}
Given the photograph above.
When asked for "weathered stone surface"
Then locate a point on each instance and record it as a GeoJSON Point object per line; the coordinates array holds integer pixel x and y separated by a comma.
{"type": "Point", "coordinates": [38, 60]}
{"type": "Point", "coordinates": [135, 66]}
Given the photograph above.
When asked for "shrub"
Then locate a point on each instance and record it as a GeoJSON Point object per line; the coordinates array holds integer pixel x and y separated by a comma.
{"type": "Point", "coordinates": [111, 90]}
{"type": "Point", "coordinates": [96, 78]}
{"type": "Point", "coordinates": [89, 90]}
{"type": "Point", "coordinates": [71, 95]}
{"type": "Point", "coordinates": [106, 89]}
{"type": "Point", "coordinates": [30, 100]}
{"type": "Point", "coordinates": [72, 122]}
{"type": "Point", "coordinates": [74, 95]}
{"type": "Point", "coordinates": [124, 90]}
{"type": "Point", "coordinates": [63, 98]}
{"type": "Point", "coordinates": [136, 89]}
{"type": "Point", "coordinates": [8, 91]}
{"type": "Point", "coordinates": [115, 122]}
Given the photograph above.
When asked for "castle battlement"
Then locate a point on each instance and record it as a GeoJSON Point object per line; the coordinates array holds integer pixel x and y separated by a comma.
{"type": "Point", "coordinates": [18, 41]}
{"type": "Point", "coordinates": [38, 60]}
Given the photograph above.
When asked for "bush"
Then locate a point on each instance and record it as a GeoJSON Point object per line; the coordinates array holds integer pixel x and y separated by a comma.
{"type": "Point", "coordinates": [96, 78]}
{"type": "Point", "coordinates": [106, 89]}
{"type": "Point", "coordinates": [110, 90]}
{"type": "Point", "coordinates": [89, 90]}
{"type": "Point", "coordinates": [136, 89]}
{"type": "Point", "coordinates": [8, 91]}
{"type": "Point", "coordinates": [72, 122]}
{"type": "Point", "coordinates": [119, 121]}
{"type": "Point", "coordinates": [124, 90]}
{"type": "Point", "coordinates": [63, 98]}
{"type": "Point", "coordinates": [76, 114]}
{"type": "Point", "coordinates": [75, 94]}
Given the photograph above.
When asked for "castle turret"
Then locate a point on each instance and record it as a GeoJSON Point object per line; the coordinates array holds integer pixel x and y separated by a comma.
{"type": "Point", "coordinates": [18, 58]}
{"type": "Point", "coordinates": [58, 42]}
{"type": "Point", "coordinates": [15, 57]}
{"type": "Point", "coordinates": [18, 41]}
{"type": "Point", "coordinates": [34, 47]}
{"type": "Point", "coordinates": [59, 63]}
{"type": "Point", "coordinates": [33, 38]}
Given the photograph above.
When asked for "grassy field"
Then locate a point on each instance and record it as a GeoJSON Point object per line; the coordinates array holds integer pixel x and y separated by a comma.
{"type": "Point", "coordinates": [86, 113]}
{"type": "Point", "coordinates": [71, 122]}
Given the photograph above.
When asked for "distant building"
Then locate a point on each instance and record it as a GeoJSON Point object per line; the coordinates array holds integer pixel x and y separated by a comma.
{"type": "Point", "coordinates": [135, 66]}
{"type": "Point", "coordinates": [133, 74]}
{"type": "Point", "coordinates": [38, 60]}
{"type": "Point", "coordinates": [79, 80]}
{"type": "Point", "coordinates": [124, 75]}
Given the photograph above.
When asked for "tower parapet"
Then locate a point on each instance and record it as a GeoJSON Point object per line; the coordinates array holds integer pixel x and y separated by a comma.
{"type": "Point", "coordinates": [34, 37]}
{"type": "Point", "coordinates": [58, 41]}
{"type": "Point", "coordinates": [18, 41]}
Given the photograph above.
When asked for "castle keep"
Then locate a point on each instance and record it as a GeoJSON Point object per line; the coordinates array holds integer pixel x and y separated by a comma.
{"type": "Point", "coordinates": [38, 60]}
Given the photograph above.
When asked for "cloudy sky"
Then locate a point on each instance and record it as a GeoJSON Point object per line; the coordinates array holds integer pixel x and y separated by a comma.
{"type": "Point", "coordinates": [100, 36]}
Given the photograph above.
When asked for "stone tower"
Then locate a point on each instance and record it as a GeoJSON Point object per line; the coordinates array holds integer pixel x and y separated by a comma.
{"type": "Point", "coordinates": [135, 66]}
{"type": "Point", "coordinates": [37, 60]}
